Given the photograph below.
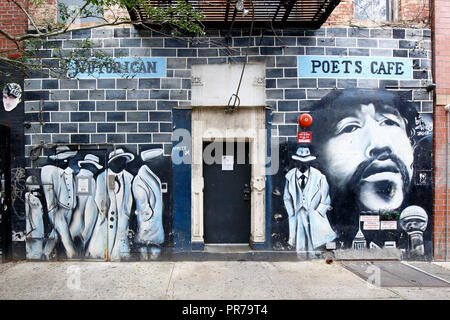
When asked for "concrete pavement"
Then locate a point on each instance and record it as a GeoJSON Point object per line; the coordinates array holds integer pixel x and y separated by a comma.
{"type": "Point", "coordinates": [205, 280]}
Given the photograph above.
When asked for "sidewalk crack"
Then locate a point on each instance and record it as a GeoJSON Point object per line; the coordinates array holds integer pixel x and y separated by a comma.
{"type": "Point", "coordinates": [168, 284]}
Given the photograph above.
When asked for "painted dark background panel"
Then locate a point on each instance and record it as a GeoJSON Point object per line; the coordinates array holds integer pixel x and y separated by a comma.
{"type": "Point", "coordinates": [15, 119]}
{"type": "Point", "coordinates": [346, 208]}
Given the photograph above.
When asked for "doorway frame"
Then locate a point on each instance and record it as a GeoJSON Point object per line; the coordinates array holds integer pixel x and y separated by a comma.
{"type": "Point", "coordinates": [243, 124]}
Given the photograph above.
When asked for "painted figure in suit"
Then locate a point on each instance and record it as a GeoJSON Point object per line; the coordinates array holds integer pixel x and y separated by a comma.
{"type": "Point", "coordinates": [149, 207]}
{"type": "Point", "coordinates": [34, 221]}
{"type": "Point", "coordinates": [59, 191]}
{"type": "Point", "coordinates": [307, 201]}
{"type": "Point", "coordinates": [86, 212]}
{"type": "Point", "coordinates": [113, 196]}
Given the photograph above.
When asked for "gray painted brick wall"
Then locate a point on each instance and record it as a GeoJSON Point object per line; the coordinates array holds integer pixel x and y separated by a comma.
{"type": "Point", "coordinates": [135, 112]}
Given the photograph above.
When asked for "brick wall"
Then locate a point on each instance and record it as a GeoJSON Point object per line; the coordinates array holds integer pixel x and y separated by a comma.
{"type": "Point", "coordinates": [13, 21]}
{"type": "Point", "coordinates": [113, 110]}
{"type": "Point", "coordinates": [413, 10]}
{"type": "Point", "coordinates": [409, 12]}
{"type": "Point", "coordinates": [343, 13]}
{"type": "Point", "coordinates": [441, 70]}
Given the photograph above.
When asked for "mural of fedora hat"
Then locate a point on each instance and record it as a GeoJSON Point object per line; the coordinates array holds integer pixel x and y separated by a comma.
{"type": "Point", "coordinates": [91, 159]}
{"type": "Point", "coordinates": [303, 154]}
{"type": "Point", "coordinates": [151, 154]}
{"type": "Point", "coordinates": [120, 153]}
{"type": "Point", "coordinates": [63, 152]}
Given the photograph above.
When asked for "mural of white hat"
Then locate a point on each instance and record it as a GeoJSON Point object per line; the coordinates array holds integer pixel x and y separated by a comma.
{"type": "Point", "coordinates": [91, 159]}
{"type": "Point", "coordinates": [63, 152]}
{"type": "Point", "coordinates": [303, 154]}
{"type": "Point", "coordinates": [120, 153]}
{"type": "Point", "coordinates": [150, 154]}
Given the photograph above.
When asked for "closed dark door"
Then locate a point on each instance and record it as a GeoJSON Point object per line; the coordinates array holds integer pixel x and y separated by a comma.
{"type": "Point", "coordinates": [226, 207]}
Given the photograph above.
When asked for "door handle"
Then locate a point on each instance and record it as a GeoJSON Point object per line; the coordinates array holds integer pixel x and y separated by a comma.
{"type": "Point", "coordinates": [246, 192]}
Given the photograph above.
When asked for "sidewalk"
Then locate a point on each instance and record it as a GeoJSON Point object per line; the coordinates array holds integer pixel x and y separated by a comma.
{"type": "Point", "coordinates": [218, 280]}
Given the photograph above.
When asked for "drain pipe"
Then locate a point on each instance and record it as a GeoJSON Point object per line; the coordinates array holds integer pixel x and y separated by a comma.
{"type": "Point", "coordinates": [447, 109]}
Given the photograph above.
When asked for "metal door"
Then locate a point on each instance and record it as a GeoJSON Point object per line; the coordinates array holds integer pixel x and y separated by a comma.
{"type": "Point", "coordinates": [5, 191]}
{"type": "Point", "coordinates": [226, 205]}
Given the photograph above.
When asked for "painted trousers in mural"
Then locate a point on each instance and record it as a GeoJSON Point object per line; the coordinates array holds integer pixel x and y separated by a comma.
{"type": "Point", "coordinates": [302, 231]}
{"type": "Point", "coordinates": [85, 213]}
{"type": "Point", "coordinates": [34, 226]}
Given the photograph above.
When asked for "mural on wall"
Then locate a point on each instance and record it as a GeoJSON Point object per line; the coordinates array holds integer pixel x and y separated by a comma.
{"type": "Point", "coordinates": [307, 201]}
{"type": "Point", "coordinates": [94, 211]}
{"type": "Point", "coordinates": [147, 193]}
{"type": "Point", "coordinates": [12, 115]}
{"type": "Point", "coordinates": [12, 93]}
{"type": "Point", "coordinates": [374, 150]}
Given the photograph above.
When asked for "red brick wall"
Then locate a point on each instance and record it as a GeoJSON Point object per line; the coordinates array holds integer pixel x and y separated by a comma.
{"type": "Point", "coordinates": [409, 11]}
{"type": "Point", "coordinates": [413, 10]}
{"type": "Point", "coordinates": [441, 74]}
{"type": "Point", "coordinates": [342, 13]}
{"type": "Point", "coordinates": [13, 21]}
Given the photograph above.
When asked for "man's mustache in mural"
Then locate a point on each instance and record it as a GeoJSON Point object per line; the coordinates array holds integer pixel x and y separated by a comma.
{"type": "Point", "coordinates": [382, 178]}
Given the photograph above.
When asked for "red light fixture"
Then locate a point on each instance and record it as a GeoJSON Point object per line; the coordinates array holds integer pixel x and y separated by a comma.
{"type": "Point", "coordinates": [305, 120]}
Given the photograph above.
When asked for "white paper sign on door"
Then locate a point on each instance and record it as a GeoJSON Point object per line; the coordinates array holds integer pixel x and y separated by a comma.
{"type": "Point", "coordinates": [227, 163]}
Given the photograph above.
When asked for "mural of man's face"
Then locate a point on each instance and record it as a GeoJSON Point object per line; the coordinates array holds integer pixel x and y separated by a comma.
{"type": "Point", "coordinates": [370, 152]}
{"type": "Point", "coordinates": [11, 96]}
{"type": "Point", "coordinates": [119, 164]}
{"type": "Point", "coordinates": [62, 163]}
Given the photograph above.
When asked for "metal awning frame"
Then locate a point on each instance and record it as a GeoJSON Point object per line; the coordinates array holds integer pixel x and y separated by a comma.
{"type": "Point", "coordinates": [280, 14]}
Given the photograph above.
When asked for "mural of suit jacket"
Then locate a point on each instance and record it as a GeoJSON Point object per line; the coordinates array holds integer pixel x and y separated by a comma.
{"type": "Point", "coordinates": [59, 190]}
{"type": "Point", "coordinates": [113, 227]}
{"type": "Point", "coordinates": [149, 207]}
{"type": "Point", "coordinates": [315, 199]}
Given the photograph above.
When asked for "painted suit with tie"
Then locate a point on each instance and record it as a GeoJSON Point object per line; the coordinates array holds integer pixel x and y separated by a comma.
{"type": "Point", "coordinates": [309, 227]}
{"type": "Point", "coordinates": [59, 191]}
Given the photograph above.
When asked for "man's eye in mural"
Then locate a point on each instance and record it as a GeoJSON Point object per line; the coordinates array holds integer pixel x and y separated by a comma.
{"type": "Point", "coordinates": [347, 126]}
{"type": "Point", "coordinates": [390, 120]}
